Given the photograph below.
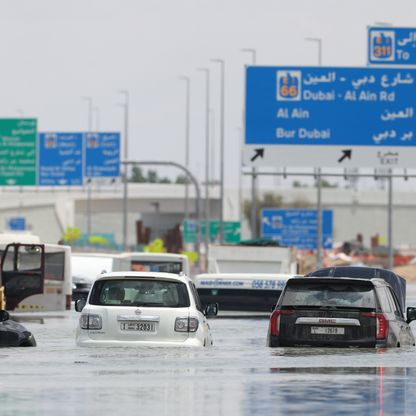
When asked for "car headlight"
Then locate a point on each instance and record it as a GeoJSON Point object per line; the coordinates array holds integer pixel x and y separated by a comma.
{"type": "Point", "coordinates": [90, 321]}
{"type": "Point", "coordinates": [186, 324]}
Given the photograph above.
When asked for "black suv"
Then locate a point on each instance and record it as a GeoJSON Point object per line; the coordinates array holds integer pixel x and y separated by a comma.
{"type": "Point", "coordinates": [340, 312]}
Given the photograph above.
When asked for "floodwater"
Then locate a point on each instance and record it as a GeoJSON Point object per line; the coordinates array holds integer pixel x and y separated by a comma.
{"type": "Point", "coordinates": [238, 376]}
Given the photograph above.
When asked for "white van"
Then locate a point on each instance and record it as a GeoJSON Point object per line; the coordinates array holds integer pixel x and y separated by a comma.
{"type": "Point", "coordinates": [86, 267]}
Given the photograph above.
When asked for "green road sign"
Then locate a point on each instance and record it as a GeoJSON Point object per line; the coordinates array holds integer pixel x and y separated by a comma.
{"type": "Point", "coordinates": [18, 151]}
{"type": "Point", "coordinates": [232, 231]}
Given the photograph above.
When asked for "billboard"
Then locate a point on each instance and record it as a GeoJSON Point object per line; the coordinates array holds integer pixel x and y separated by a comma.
{"type": "Point", "coordinates": [330, 117]}
{"type": "Point", "coordinates": [232, 231]}
{"type": "Point", "coordinates": [297, 227]}
{"type": "Point", "coordinates": [60, 159]}
{"type": "Point", "coordinates": [18, 151]}
{"type": "Point", "coordinates": [391, 46]}
{"type": "Point", "coordinates": [102, 155]}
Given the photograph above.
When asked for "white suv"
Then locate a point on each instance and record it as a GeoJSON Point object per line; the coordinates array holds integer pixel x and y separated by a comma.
{"type": "Point", "coordinates": [143, 308]}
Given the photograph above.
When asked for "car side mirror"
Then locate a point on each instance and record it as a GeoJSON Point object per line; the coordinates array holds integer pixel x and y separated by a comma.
{"type": "Point", "coordinates": [211, 310]}
{"type": "Point", "coordinates": [4, 315]}
{"type": "Point", "coordinates": [411, 314]}
{"type": "Point", "coordinates": [80, 304]}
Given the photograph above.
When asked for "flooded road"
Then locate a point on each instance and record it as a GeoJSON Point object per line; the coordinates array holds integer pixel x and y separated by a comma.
{"type": "Point", "coordinates": [238, 376]}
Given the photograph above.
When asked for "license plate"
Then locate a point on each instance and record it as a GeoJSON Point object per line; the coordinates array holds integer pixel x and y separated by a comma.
{"type": "Point", "coordinates": [327, 330]}
{"type": "Point", "coordinates": [138, 326]}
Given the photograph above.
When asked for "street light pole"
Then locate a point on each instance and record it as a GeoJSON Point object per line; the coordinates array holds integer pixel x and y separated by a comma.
{"type": "Point", "coordinates": [187, 130]}
{"type": "Point", "coordinates": [319, 43]}
{"type": "Point", "coordinates": [96, 110]}
{"type": "Point", "coordinates": [222, 147]}
{"type": "Point", "coordinates": [125, 170]}
{"type": "Point", "coordinates": [207, 104]}
{"type": "Point", "coordinates": [318, 179]}
{"type": "Point", "coordinates": [253, 53]}
{"type": "Point", "coordinates": [90, 111]}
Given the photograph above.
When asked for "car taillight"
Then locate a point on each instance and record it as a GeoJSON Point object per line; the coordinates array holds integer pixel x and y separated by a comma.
{"type": "Point", "coordinates": [186, 324]}
{"type": "Point", "coordinates": [382, 325]}
{"type": "Point", "coordinates": [275, 320]}
{"type": "Point", "coordinates": [90, 321]}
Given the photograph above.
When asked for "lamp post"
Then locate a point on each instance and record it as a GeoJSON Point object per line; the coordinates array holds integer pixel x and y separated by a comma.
{"type": "Point", "coordinates": [207, 104]}
{"type": "Point", "coordinates": [125, 106]}
{"type": "Point", "coordinates": [318, 41]}
{"type": "Point", "coordinates": [390, 195]}
{"type": "Point", "coordinates": [90, 111]}
{"type": "Point", "coordinates": [187, 81]}
{"type": "Point", "coordinates": [222, 150]}
{"type": "Point", "coordinates": [96, 110]}
{"type": "Point", "coordinates": [253, 221]}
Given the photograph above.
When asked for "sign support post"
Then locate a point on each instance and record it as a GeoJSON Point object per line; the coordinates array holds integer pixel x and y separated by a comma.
{"type": "Point", "coordinates": [390, 222]}
{"type": "Point", "coordinates": [319, 219]}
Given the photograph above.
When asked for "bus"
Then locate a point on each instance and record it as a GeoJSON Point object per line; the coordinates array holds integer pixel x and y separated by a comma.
{"type": "Point", "coordinates": [236, 293]}
{"type": "Point", "coordinates": [35, 276]}
{"type": "Point", "coordinates": [86, 267]}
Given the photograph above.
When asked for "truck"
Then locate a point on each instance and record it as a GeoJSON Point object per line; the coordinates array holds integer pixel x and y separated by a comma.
{"type": "Point", "coordinates": [251, 259]}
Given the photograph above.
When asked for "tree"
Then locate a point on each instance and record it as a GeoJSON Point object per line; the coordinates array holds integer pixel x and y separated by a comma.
{"type": "Point", "coordinates": [165, 180]}
{"type": "Point", "coordinates": [327, 184]}
{"type": "Point", "coordinates": [298, 184]}
{"type": "Point", "coordinates": [137, 175]}
{"type": "Point", "coordinates": [182, 180]}
{"type": "Point", "coordinates": [151, 176]}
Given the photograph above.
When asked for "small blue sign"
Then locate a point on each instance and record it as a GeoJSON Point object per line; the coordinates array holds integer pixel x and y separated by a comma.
{"type": "Point", "coordinates": [102, 155]}
{"type": "Point", "coordinates": [60, 159]}
{"type": "Point", "coordinates": [318, 106]}
{"type": "Point", "coordinates": [296, 227]}
{"type": "Point", "coordinates": [17, 224]}
{"type": "Point", "coordinates": [392, 46]}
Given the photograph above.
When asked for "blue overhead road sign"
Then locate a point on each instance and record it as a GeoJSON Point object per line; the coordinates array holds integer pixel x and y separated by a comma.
{"type": "Point", "coordinates": [327, 117]}
{"type": "Point", "coordinates": [17, 224]}
{"type": "Point", "coordinates": [102, 155]}
{"type": "Point", "coordinates": [60, 159]}
{"type": "Point", "coordinates": [296, 227]}
{"type": "Point", "coordinates": [391, 46]}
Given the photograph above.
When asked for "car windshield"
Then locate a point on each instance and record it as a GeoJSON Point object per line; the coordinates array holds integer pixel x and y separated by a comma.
{"type": "Point", "coordinates": [329, 294]}
{"type": "Point", "coordinates": [140, 292]}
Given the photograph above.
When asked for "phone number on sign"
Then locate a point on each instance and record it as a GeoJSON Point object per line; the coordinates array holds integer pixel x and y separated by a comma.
{"type": "Point", "coordinates": [268, 284]}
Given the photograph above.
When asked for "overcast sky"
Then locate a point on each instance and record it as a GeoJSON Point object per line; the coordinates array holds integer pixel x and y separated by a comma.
{"type": "Point", "coordinates": [55, 52]}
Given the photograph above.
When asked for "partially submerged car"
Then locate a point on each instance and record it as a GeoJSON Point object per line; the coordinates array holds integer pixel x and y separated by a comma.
{"type": "Point", "coordinates": [143, 308]}
{"type": "Point", "coordinates": [396, 282]}
{"type": "Point", "coordinates": [13, 334]}
{"type": "Point", "coordinates": [340, 312]}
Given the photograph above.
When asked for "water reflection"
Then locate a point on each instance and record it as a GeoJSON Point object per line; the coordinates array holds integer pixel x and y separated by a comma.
{"type": "Point", "coordinates": [329, 391]}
